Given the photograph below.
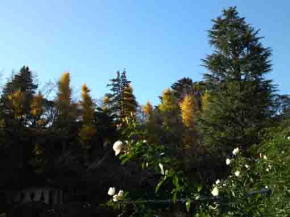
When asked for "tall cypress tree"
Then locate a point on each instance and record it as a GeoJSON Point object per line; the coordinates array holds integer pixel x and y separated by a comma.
{"type": "Point", "coordinates": [239, 94]}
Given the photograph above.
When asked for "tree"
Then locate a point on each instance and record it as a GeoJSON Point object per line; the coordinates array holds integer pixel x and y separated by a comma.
{"type": "Point", "coordinates": [147, 109]}
{"type": "Point", "coordinates": [121, 101]}
{"type": "Point", "coordinates": [129, 104]}
{"type": "Point", "coordinates": [168, 102]}
{"type": "Point", "coordinates": [240, 96]}
{"type": "Point", "coordinates": [188, 111]}
{"type": "Point", "coordinates": [113, 99]}
{"type": "Point", "coordinates": [88, 130]}
{"type": "Point", "coordinates": [17, 94]}
{"type": "Point", "coordinates": [22, 81]}
{"type": "Point", "coordinates": [36, 110]}
{"type": "Point", "coordinates": [65, 125]}
{"type": "Point", "coordinates": [182, 87]}
{"type": "Point", "coordinates": [65, 107]}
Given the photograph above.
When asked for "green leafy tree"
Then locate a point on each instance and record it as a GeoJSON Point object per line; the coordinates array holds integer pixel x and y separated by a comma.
{"type": "Point", "coordinates": [240, 95]}
{"type": "Point", "coordinates": [121, 101]}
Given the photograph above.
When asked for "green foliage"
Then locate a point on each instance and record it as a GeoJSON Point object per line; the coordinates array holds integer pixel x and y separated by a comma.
{"type": "Point", "coordinates": [240, 97]}
{"type": "Point", "coordinates": [121, 101]}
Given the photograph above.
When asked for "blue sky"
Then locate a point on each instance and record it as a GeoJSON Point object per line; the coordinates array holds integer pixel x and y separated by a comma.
{"type": "Point", "coordinates": [156, 41]}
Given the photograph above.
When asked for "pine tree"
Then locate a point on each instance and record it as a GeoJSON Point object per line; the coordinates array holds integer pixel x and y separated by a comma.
{"type": "Point", "coordinates": [19, 90]}
{"type": "Point", "coordinates": [22, 81]}
{"type": "Point", "coordinates": [121, 101]}
{"type": "Point", "coordinates": [240, 96]}
{"type": "Point", "coordinates": [182, 87]}
{"type": "Point", "coordinates": [113, 99]}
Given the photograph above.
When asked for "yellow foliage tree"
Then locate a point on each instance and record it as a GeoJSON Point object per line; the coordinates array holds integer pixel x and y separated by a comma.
{"type": "Point", "coordinates": [88, 130]}
{"type": "Point", "coordinates": [16, 102]}
{"type": "Point", "coordinates": [147, 109]}
{"type": "Point", "coordinates": [36, 105]}
{"type": "Point", "coordinates": [187, 107]}
{"type": "Point", "coordinates": [168, 102]}
{"type": "Point", "coordinates": [128, 102]}
{"type": "Point", "coordinates": [66, 108]}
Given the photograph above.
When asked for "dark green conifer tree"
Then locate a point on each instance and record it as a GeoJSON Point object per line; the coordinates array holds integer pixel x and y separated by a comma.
{"type": "Point", "coordinates": [240, 96]}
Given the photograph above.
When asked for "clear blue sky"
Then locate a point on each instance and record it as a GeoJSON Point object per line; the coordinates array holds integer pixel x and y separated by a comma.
{"type": "Point", "coordinates": [157, 41]}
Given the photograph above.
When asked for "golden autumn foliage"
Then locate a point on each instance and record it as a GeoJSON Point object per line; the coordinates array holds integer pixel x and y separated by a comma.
{"type": "Point", "coordinates": [87, 106]}
{"type": "Point", "coordinates": [147, 109]}
{"type": "Point", "coordinates": [36, 105]}
{"type": "Point", "coordinates": [88, 130]}
{"type": "Point", "coordinates": [16, 101]}
{"type": "Point", "coordinates": [187, 107]}
{"type": "Point", "coordinates": [65, 106]}
{"type": "Point", "coordinates": [128, 103]}
{"type": "Point", "coordinates": [168, 102]}
{"type": "Point", "coordinates": [64, 90]}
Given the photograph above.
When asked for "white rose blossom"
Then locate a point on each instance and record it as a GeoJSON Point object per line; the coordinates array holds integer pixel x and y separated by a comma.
{"type": "Point", "coordinates": [215, 192]}
{"type": "Point", "coordinates": [121, 193]}
{"type": "Point", "coordinates": [236, 151]}
{"type": "Point", "coordinates": [228, 161]}
{"type": "Point", "coordinates": [117, 147]}
{"type": "Point", "coordinates": [111, 191]}
{"type": "Point", "coordinates": [217, 181]}
{"type": "Point", "coordinates": [115, 198]}
{"type": "Point", "coordinates": [247, 166]}
{"type": "Point", "coordinates": [237, 173]}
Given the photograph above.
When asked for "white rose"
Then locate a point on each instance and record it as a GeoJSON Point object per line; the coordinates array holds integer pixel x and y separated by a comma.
{"type": "Point", "coordinates": [111, 191]}
{"type": "Point", "coordinates": [115, 198]}
{"type": "Point", "coordinates": [215, 191]}
{"type": "Point", "coordinates": [228, 161]}
{"type": "Point", "coordinates": [237, 173]}
{"type": "Point", "coordinates": [247, 166]}
{"type": "Point", "coordinates": [236, 151]}
{"type": "Point", "coordinates": [117, 147]}
{"type": "Point", "coordinates": [217, 181]}
{"type": "Point", "coordinates": [121, 193]}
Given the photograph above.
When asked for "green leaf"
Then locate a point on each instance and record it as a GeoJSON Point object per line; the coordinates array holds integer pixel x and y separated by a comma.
{"type": "Point", "coordinates": [187, 205]}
